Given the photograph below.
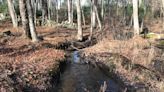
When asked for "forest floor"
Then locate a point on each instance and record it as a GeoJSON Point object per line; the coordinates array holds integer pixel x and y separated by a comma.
{"type": "Point", "coordinates": [27, 66]}
{"type": "Point", "coordinates": [136, 62]}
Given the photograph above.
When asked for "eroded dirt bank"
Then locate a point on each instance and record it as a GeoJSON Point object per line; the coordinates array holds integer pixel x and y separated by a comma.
{"type": "Point", "coordinates": [133, 63]}
{"type": "Point", "coordinates": [27, 66]}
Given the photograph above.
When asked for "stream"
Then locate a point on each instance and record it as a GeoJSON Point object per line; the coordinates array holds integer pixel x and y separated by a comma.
{"type": "Point", "coordinates": [81, 77]}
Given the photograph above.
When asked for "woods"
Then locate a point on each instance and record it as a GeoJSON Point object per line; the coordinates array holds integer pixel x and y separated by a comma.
{"type": "Point", "coordinates": [97, 45]}
{"type": "Point", "coordinates": [12, 13]}
{"type": "Point", "coordinates": [46, 10]}
{"type": "Point", "coordinates": [98, 9]}
{"type": "Point", "coordinates": [135, 17]}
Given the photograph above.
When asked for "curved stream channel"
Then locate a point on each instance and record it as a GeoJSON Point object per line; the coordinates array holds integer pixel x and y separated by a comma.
{"type": "Point", "coordinates": [81, 77]}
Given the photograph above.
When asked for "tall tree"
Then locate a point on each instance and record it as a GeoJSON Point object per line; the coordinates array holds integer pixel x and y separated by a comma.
{"type": "Point", "coordinates": [163, 12]}
{"type": "Point", "coordinates": [24, 17]}
{"type": "Point", "coordinates": [92, 20]}
{"type": "Point", "coordinates": [102, 9]}
{"type": "Point", "coordinates": [93, 13]}
{"type": "Point", "coordinates": [80, 31]}
{"type": "Point", "coordinates": [94, 5]}
{"type": "Point", "coordinates": [44, 12]}
{"type": "Point", "coordinates": [70, 11]}
{"type": "Point", "coordinates": [94, 16]}
{"type": "Point", "coordinates": [83, 15]}
{"type": "Point", "coordinates": [31, 22]}
{"type": "Point", "coordinates": [35, 10]}
{"type": "Point", "coordinates": [135, 17]}
{"type": "Point", "coordinates": [57, 11]}
{"type": "Point", "coordinates": [49, 9]}
{"type": "Point", "coordinates": [27, 17]}
{"type": "Point", "coordinates": [12, 13]}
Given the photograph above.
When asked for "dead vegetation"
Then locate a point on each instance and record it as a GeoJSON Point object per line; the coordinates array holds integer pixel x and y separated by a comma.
{"type": "Point", "coordinates": [30, 66]}
{"type": "Point", "coordinates": [27, 66]}
{"type": "Point", "coordinates": [137, 62]}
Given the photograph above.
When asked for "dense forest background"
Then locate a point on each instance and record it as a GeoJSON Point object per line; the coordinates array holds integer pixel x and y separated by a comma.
{"type": "Point", "coordinates": [99, 12]}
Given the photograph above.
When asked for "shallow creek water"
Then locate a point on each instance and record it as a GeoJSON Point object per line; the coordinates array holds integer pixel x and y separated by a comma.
{"type": "Point", "coordinates": [81, 77]}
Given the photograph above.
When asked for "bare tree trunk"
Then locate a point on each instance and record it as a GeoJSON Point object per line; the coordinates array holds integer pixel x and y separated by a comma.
{"type": "Point", "coordinates": [163, 12]}
{"type": "Point", "coordinates": [117, 9]}
{"type": "Point", "coordinates": [140, 3]}
{"type": "Point", "coordinates": [152, 9]}
{"type": "Point", "coordinates": [35, 11]}
{"type": "Point", "coordinates": [31, 22]}
{"type": "Point", "coordinates": [12, 13]}
{"type": "Point", "coordinates": [44, 12]}
{"type": "Point", "coordinates": [80, 32]}
{"type": "Point", "coordinates": [83, 16]}
{"type": "Point", "coordinates": [93, 14]}
{"type": "Point", "coordinates": [102, 9]}
{"type": "Point", "coordinates": [97, 16]}
{"type": "Point", "coordinates": [91, 30]}
{"type": "Point", "coordinates": [70, 11]}
{"type": "Point", "coordinates": [49, 9]}
{"type": "Point", "coordinates": [135, 17]}
{"type": "Point", "coordinates": [57, 11]}
{"type": "Point", "coordinates": [24, 17]}
{"type": "Point", "coordinates": [108, 12]}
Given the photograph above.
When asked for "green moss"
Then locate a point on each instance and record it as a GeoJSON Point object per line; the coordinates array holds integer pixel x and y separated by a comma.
{"type": "Point", "coordinates": [3, 8]}
{"type": "Point", "coordinates": [161, 42]}
{"type": "Point", "coordinates": [153, 36]}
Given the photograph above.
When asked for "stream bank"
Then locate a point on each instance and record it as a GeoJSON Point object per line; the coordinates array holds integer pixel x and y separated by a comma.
{"type": "Point", "coordinates": [137, 64]}
{"type": "Point", "coordinates": [106, 63]}
{"type": "Point", "coordinates": [82, 77]}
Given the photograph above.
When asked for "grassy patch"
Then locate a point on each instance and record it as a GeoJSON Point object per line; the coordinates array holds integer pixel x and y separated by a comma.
{"type": "Point", "coordinates": [153, 36]}
{"type": "Point", "coordinates": [161, 43]}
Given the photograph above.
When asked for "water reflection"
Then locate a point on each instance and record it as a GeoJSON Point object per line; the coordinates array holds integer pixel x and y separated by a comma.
{"type": "Point", "coordinates": [76, 58]}
{"type": "Point", "coordinates": [84, 78]}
